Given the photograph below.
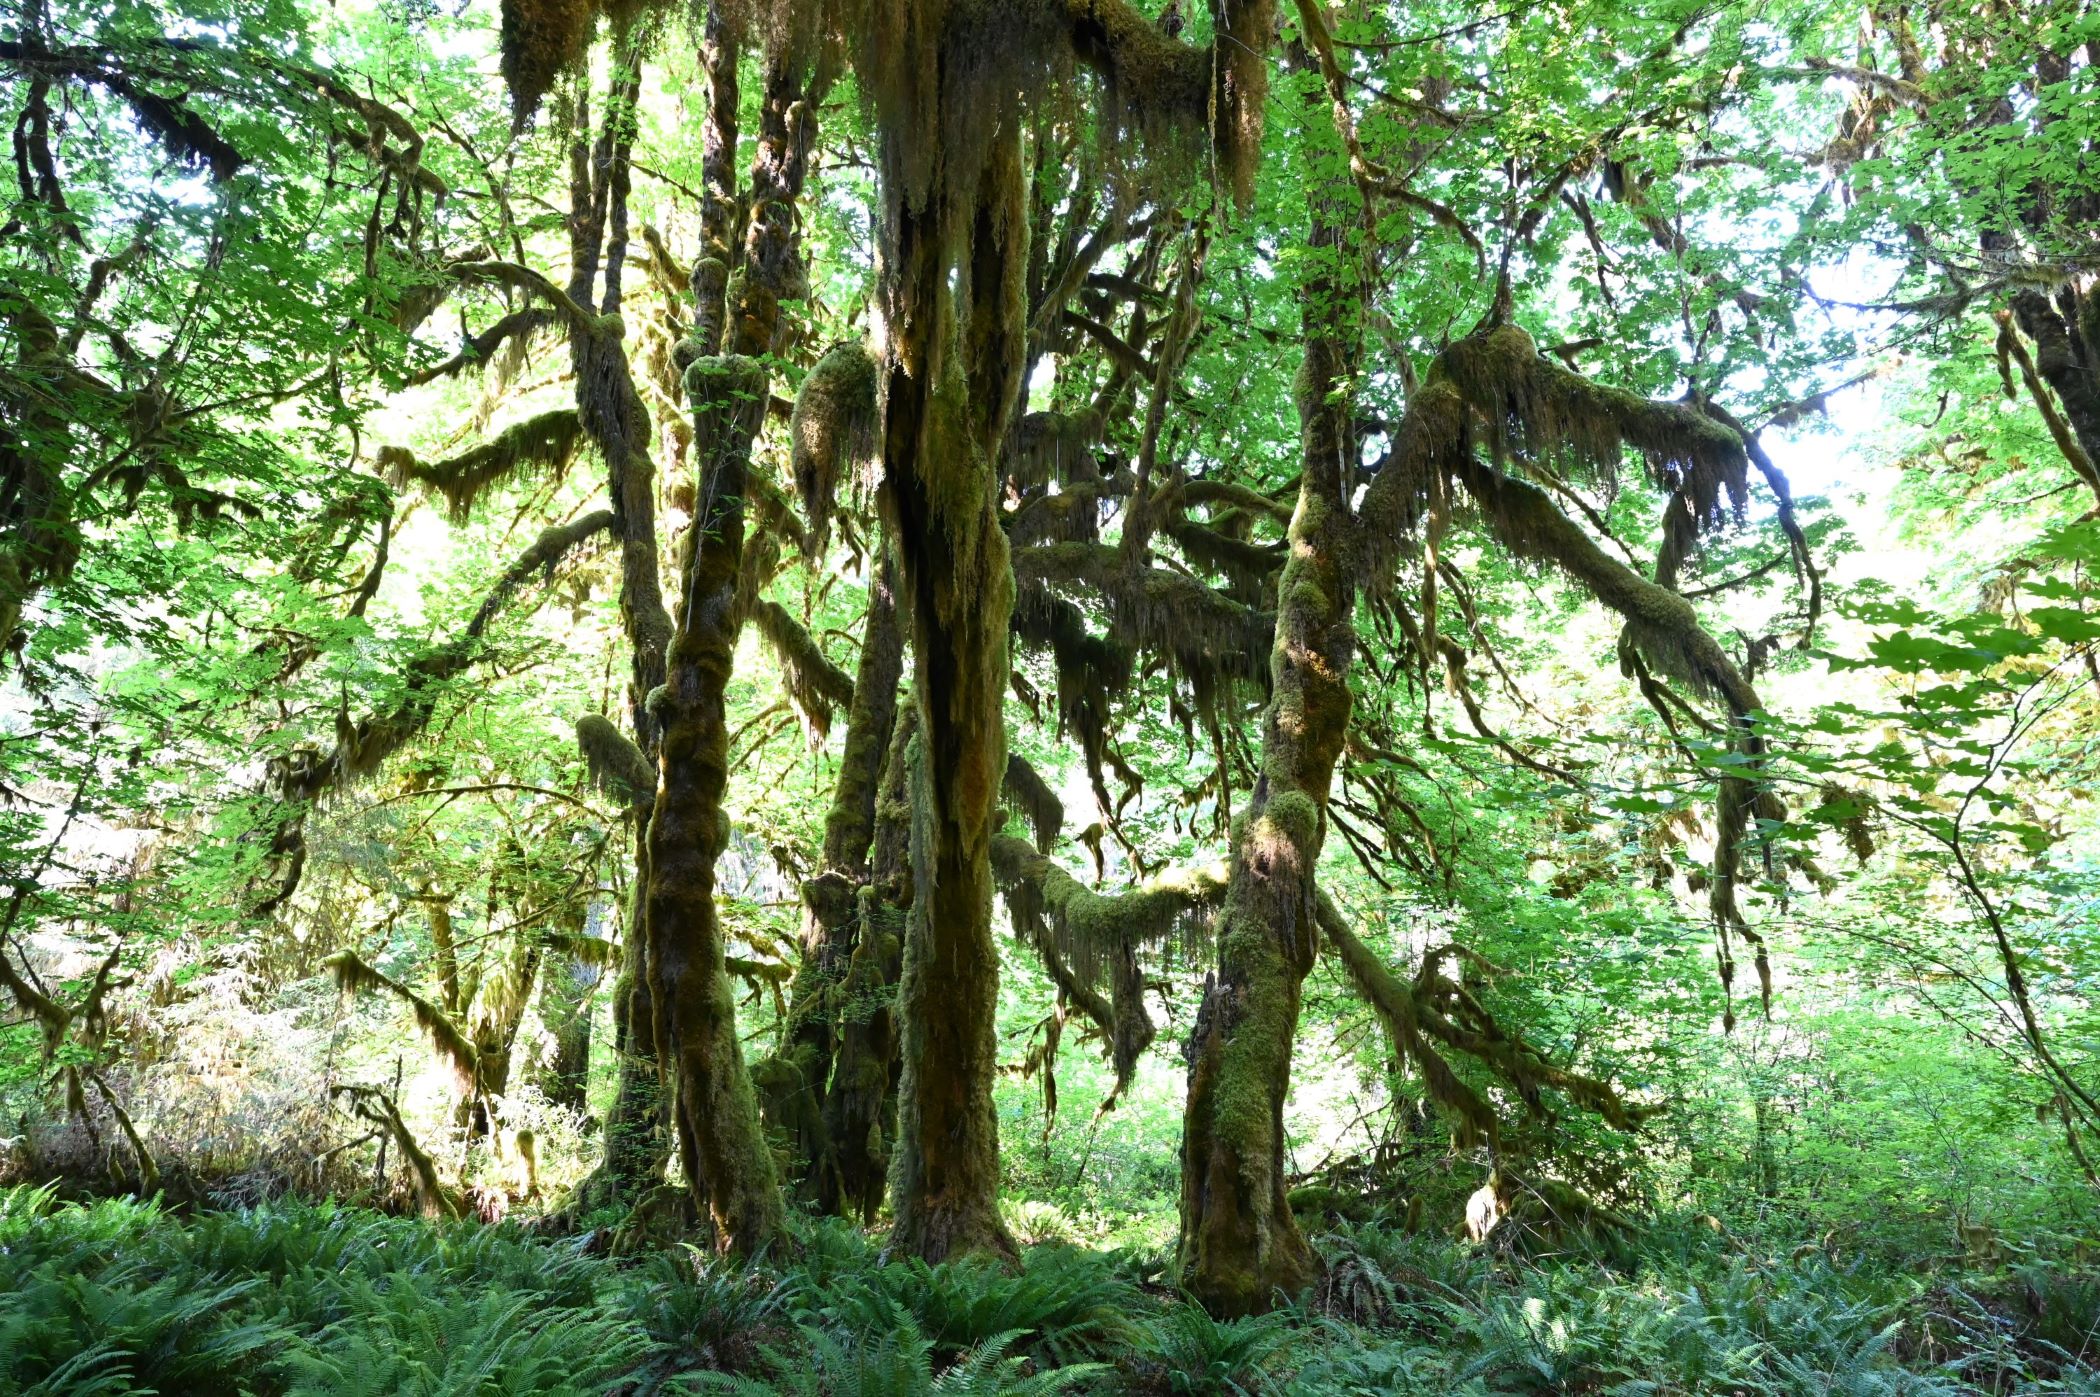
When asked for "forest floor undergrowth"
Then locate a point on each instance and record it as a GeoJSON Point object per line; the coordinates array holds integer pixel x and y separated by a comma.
{"type": "Point", "coordinates": [121, 1297]}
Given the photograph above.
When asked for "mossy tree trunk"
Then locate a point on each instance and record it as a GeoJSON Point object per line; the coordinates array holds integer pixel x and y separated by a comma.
{"type": "Point", "coordinates": [1240, 1248]}
{"type": "Point", "coordinates": [796, 1083]}
{"type": "Point", "coordinates": [720, 1134]}
{"type": "Point", "coordinates": [860, 1107]}
{"type": "Point", "coordinates": [950, 375]}
{"type": "Point", "coordinates": [566, 990]}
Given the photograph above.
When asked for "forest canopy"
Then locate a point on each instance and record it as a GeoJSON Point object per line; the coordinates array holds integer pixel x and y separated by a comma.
{"type": "Point", "coordinates": [1050, 695]}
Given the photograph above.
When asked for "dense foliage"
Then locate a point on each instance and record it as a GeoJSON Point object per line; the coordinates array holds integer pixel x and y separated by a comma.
{"type": "Point", "coordinates": [1325, 697]}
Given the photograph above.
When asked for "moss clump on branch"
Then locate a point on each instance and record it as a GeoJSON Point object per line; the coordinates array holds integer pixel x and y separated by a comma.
{"type": "Point", "coordinates": [815, 686]}
{"type": "Point", "coordinates": [541, 39]}
{"type": "Point", "coordinates": [832, 431]}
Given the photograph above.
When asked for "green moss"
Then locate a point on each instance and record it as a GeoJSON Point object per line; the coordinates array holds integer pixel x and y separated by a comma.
{"type": "Point", "coordinates": [1292, 815]}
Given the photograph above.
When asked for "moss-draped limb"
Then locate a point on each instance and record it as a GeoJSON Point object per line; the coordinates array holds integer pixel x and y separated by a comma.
{"type": "Point", "coordinates": [1494, 389]}
{"type": "Point", "coordinates": [616, 766]}
{"type": "Point", "coordinates": [1175, 907]}
{"type": "Point", "coordinates": [1085, 937]}
{"type": "Point", "coordinates": [1666, 631]}
{"type": "Point", "coordinates": [1240, 1246]}
{"type": "Point", "coordinates": [354, 975]}
{"type": "Point", "coordinates": [363, 746]}
{"type": "Point", "coordinates": [545, 442]}
{"type": "Point", "coordinates": [374, 1106]}
{"type": "Point", "coordinates": [1167, 612]}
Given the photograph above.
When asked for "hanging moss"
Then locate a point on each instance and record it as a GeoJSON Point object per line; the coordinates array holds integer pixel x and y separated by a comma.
{"type": "Point", "coordinates": [547, 442]}
{"type": "Point", "coordinates": [541, 39]}
{"type": "Point", "coordinates": [1038, 804]}
{"type": "Point", "coordinates": [1059, 446]}
{"type": "Point", "coordinates": [1172, 910]}
{"type": "Point", "coordinates": [815, 686]}
{"type": "Point", "coordinates": [617, 767]}
{"type": "Point", "coordinates": [832, 433]}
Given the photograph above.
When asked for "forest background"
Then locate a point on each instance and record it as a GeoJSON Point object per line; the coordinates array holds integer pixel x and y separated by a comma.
{"type": "Point", "coordinates": [1249, 641]}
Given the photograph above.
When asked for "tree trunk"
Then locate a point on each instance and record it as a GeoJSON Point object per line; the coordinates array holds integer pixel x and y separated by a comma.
{"type": "Point", "coordinates": [637, 1126]}
{"type": "Point", "coordinates": [566, 989]}
{"type": "Point", "coordinates": [721, 1137]}
{"type": "Point", "coordinates": [795, 1084]}
{"type": "Point", "coordinates": [950, 377]}
{"type": "Point", "coordinates": [1240, 1247]}
{"type": "Point", "coordinates": [613, 416]}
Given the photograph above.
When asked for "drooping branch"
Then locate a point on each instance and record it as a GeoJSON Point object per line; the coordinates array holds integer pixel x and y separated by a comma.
{"type": "Point", "coordinates": [1433, 1016]}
